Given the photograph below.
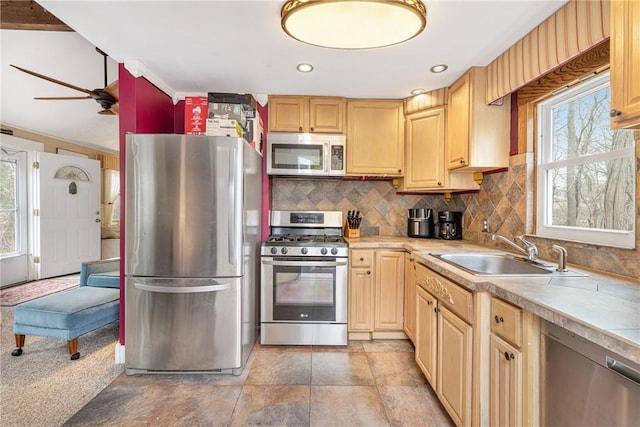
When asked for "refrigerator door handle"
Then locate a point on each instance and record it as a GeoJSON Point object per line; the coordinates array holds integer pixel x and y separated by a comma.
{"type": "Point", "coordinates": [182, 289]}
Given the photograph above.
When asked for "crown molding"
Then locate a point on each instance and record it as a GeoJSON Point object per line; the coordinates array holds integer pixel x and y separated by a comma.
{"type": "Point", "coordinates": [138, 69]}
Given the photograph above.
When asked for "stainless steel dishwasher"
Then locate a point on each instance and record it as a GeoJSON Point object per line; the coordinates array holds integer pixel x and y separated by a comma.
{"type": "Point", "coordinates": [583, 384]}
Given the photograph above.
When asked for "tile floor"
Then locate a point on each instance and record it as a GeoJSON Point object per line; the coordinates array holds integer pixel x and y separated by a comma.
{"type": "Point", "coordinates": [373, 383]}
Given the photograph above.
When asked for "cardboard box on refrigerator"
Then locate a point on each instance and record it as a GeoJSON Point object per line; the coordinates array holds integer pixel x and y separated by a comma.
{"type": "Point", "coordinates": [224, 127]}
{"type": "Point", "coordinates": [196, 110]}
{"type": "Point", "coordinates": [222, 110]}
{"type": "Point", "coordinates": [254, 133]}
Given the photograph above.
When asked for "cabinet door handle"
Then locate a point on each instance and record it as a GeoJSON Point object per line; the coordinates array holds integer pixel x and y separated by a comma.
{"type": "Point", "coordinates": [509, 356]}
{"type": "Point", "coordinates": [614, 113]}
{"type": "Point", "coordinates": [429, 302]}
{"type": "Point", "coordinates": [499, 319]}
{"type": "Point", "coordinates": [368, 272]}
{"type": "Point", "coordinates": [439, 184]}
{"type": "Point", "coordinates": [312, 129]}
{"type": "Point", "coordinates": [461, 162]}
{"type": "Point", "coordinates": [399, 170]}
{"type": "Point", "coordinates": [436, 310]}
{"type": "Point", "coordinates": [361, 259]}
{"type": "Point", "coordinates": [300, 128]}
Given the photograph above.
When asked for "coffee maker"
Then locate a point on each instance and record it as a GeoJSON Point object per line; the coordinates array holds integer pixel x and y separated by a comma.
{"type": "Point", "coordinates": [450, 225]}
{"type": "Point", "coordinates": [420, 223]}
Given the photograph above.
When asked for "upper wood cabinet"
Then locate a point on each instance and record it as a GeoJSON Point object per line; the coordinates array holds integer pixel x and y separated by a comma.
{"type": "Point", "coordinates": [425, 168]}
{"type": "Point", "coordinates": [625, 64]}
{"type": "Point", "coordinates": [477, 134]}
{"type": "Point", "coordinates": [306, 114]}
{"type": "Point", "coordinates": [375, 137]}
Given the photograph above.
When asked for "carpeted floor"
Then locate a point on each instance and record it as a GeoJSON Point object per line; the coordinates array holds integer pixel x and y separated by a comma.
{"type": "Point", "coordinates": [43, 387]}
{"type": "Point", "coordinates": [15, 295]}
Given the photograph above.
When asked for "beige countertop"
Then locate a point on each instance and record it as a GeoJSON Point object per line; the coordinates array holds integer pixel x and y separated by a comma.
{"type": "Point", "coordinates": [602, 308]}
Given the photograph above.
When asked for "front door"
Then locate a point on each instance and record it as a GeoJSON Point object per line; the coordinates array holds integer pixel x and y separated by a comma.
{"type": "Point", "coordinates": [68, 213]}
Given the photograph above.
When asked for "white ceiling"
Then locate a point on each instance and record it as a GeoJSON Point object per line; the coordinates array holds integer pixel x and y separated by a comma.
{"type": "Point", "coordinates": [195, 47]}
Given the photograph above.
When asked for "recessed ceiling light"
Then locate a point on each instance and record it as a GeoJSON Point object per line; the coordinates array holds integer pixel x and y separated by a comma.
{"type": "Point", "coordinates": [438, 68]}
{"type": "Point", "coordinates": [417, 92]}
{"type": "Point", "coordinates": [305, 68]}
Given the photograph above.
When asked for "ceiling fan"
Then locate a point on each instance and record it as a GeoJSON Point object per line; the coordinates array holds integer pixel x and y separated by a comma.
{"type": "Point", "coordinates": [106, 97]}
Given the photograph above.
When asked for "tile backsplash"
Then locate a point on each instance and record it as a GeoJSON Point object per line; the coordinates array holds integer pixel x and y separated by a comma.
{"type": "Point", "coordinates": [383, 210]}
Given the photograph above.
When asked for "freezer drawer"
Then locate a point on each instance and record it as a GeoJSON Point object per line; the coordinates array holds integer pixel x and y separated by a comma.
{"type": "Point", "coordinates": [179, 325]}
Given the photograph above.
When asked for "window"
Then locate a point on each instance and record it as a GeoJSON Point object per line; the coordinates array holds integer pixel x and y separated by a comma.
{"type": "Point", "coordinates": [585, 172]}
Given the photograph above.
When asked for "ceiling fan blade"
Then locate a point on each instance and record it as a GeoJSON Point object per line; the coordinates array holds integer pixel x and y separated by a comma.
{"type": "Point", "coordinates": [107, 113]}
{"type": "Point", "coordinates": [42, 76]}
{"type": "Point", "coordinates": [115, 108]}
{"type": "Point", "coordinates": [112, 89]}
{"type": "Point", "coordinates": [58, 98]}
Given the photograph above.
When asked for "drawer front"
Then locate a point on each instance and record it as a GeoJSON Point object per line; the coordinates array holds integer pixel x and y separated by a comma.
{"type": "Point", "coordinates": [453, 296]}
{"type": "Point", "coordinates": [506, 321]}
{"type": "Point", "coordinates": [361, 258]}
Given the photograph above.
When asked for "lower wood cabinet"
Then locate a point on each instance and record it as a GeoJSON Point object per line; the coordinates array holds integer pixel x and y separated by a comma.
{"type": "Point", "coordinates": [505, 382]}
{"type": "Point", "coordinates": [409, 297]}
{"type": "Point", "coordinates": [513, 365]}
{"type": "Point", "coordinates": [376, 293]}
{"type": "Point", "coordinates": [444, 341]}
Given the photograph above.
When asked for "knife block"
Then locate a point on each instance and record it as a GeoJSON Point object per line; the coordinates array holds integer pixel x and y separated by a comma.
{"type": "Point", "coordinates": [351, 232]}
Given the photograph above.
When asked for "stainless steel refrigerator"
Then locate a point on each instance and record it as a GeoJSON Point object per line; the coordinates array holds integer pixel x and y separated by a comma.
{"type": "Point", "coordinates": [192, 237]}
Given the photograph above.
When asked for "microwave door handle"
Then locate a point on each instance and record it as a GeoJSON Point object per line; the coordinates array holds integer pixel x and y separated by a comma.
{"type": "Point", "coordinates": [327, 161]}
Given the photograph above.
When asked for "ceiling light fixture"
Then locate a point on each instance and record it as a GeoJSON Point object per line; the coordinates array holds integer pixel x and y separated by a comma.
{"type": "Point", "coordinates": [417, 92]}
{"type": "Point", "coordinates": [353, 24]}
{"type": "Point", "coordinates": [305, 68]}
{"type": "Point", "coordinates": [438, 68]}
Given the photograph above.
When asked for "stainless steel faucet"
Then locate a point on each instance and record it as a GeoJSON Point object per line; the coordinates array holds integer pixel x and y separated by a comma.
{"type": "Point", "coordinates": [530, 250]}
{"type": "Point", "coordinates": [562, 257]}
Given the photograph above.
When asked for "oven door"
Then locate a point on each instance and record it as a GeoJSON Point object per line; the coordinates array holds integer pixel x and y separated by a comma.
{"type": "Point", "coordinates": [310, 290]}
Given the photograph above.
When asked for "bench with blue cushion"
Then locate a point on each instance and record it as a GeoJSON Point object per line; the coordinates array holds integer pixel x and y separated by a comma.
{"type": "Point", "coordinates": [69, 314]}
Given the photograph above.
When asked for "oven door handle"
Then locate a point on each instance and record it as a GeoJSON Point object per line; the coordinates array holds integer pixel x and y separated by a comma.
{"type": "Point", "coordinates": [305, 264]}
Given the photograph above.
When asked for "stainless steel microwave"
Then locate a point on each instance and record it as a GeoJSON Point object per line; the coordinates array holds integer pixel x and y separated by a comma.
{"type": "Point", "coordinates": [305, 154]}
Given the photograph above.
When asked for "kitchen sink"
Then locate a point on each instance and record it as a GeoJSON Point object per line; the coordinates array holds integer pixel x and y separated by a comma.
{"type": "Point", "coordinates": [502, 265]}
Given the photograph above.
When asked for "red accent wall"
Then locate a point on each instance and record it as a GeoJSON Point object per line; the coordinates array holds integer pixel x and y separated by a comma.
{"type": "Point", "coordinates": [143, 109]}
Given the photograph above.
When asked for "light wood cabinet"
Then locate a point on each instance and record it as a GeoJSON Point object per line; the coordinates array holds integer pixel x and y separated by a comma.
{"type": "Point", "coordinates": [477, 134]}
{"type": "Point", "coordinates": [426, 334]}
{"type": "Point", "coordinates": [409, 297]}
{"type": "Point", "coordinates": [375, 137]}
{"type": "Point", "coordinates": [307, 114]}
{"type": "Point", "coordinates": [360, 315]}
{"type": "Point", "coordinates": [389, 291]}
{"type": "Point", "coordinates": [444, 341]}
{"type": "Point", "coordinates": [454, 365]}
{"type": "Point", "coordinates": [505, 382]}
{"type": "Point", "coordinates": [625, 64]}
{"type": "Point", "coordinates": [376, 293]}
{"type": "Point", "coordinates": [513, 365]}
{"type": "Point", "coordinates": [425, 168]}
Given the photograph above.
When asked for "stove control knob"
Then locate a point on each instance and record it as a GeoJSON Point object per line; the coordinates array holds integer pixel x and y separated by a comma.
{"type": "Point", "coordinates": [274, 250]}
{"type": "Point", "coordinates": [304, 251]}
{"type": "Point", "coordinates": [334, 251]}
{"type": "Point", "coordinates": [323, 251]}
{"type": "Point", "coordinates": [284, 251]}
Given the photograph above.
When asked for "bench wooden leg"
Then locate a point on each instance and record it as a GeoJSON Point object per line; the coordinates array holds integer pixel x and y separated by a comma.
{"type": "Point", "coordinates": [72, 345]}
{"type": "Point", "coordinates": [19, 344]}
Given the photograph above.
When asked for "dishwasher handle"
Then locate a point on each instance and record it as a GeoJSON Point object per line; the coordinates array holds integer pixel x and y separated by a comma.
{"type": "Point", "coordinates": [622, 369]}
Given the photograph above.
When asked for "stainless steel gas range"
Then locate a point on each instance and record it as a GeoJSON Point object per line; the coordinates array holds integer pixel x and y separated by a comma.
{"type": "Point", "coordinates": [304, 280]}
